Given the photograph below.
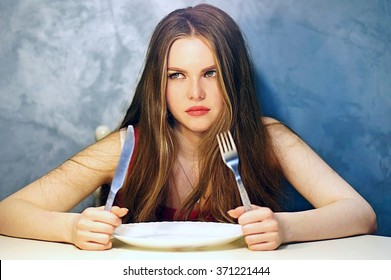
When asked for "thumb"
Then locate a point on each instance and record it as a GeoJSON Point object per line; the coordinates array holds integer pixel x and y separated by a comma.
{"type": "Point", "coordinates": [120, 212]}
{"type": "Point", "coordinates": [235, 213]}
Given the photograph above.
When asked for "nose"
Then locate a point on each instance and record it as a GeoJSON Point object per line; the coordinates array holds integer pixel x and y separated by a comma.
{"type": "Point", "coordinates": [196, 91]}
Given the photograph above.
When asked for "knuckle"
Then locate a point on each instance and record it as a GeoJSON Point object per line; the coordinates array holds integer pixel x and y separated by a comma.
{"type": "Point", "coordinates": [108, 245]}
{"type": "Point", "coordinates": [274, 245]}
{"type": "Point", "coordinates": [249, 239]}
{"type": "Point", "coordinates": [268, 213]}
{"type": "Point", "coordinates": [273, 224]}
{"type": "Point", "coordinates": [88, 211]}
{"type": "Point", "coordinates": [106, 239]}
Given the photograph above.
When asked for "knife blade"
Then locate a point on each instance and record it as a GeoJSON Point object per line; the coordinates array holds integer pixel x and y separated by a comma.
{"type": "Point", "coordinates": [122, 167]}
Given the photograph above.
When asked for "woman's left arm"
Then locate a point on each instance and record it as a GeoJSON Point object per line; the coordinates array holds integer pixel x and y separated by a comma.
{"type": "Point", "coordinates": [339, 210]}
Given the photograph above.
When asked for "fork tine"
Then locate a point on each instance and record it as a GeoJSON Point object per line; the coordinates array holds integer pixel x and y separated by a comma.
{"type": "Point", "coordinates": [231, 141]}
{"type": "Point", "coordinates": [231, 159]}
{"type": "Point", "coordinates": [228, 142]}
{"type": "Point", "coordinates": [220, 141]}
{"type": "Point", "coordinates": [225, 142]}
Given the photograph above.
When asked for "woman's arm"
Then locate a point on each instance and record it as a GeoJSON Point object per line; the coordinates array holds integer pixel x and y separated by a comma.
{"type": "Point", "coordinates": [38, 210]}
{"type": "Point", "coordinates": [339, 209]}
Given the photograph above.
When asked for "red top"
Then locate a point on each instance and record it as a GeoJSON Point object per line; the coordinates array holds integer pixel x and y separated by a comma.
{"type": "Point", "coordinates": [168, 214]}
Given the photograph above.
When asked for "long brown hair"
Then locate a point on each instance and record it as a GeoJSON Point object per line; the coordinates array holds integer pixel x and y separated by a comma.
{"type": "Point", "coordinates": [146, 189]}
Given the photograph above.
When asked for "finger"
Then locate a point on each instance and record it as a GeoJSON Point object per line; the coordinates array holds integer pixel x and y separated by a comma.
{"type": "Point", "coordinates": [100, 227]}
{"type": "Point", "coordinates": [266, 246]}
{"type": "Point", "coordinates": [95, 237]}
{"type": "Point", "coordinates": [269, 225]}
{"type": "Point", "coordinates": [257, 215]}
{"type": "Point", "coordinates": [120, 212]}
{"type": "Point", "coordinates": [86, 225]}
{"type": "Point", "coordinates": [92, 246]}
{"type": "Point", "coordinates": [235, 213]}
{"type": "Point", "coordinates": [238, 211]}
{"type": "Point", "coordinates": [99, 215]}
{"type": "Point", "coordinates": [264, 241]}
{"type": "Point", "coordinates": [253, 239]}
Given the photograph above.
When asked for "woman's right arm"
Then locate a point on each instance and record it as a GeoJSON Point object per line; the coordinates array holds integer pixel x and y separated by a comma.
{"type": "Point", "coordinates": [40, 210]}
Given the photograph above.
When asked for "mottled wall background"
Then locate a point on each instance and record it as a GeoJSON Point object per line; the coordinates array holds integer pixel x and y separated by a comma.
{"type": "Point", "coordinates": [323, 68]}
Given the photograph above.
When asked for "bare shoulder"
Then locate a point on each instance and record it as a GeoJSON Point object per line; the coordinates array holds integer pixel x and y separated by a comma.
{"type": "Point", "coordinates": [109, 145]}
{"type": "Point", "coordinates": [75, 178]}
{"type": "Point", "coordinates": [269, 120]}
{"type": "Point", "coordinates": [102, 155]}
{"type": "Point", "coordinates": [280, 134]}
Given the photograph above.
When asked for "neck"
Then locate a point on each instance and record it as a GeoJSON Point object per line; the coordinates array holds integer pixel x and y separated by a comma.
{"type": "Point", "coordinates": [185, 172]}
{"type": "Point", "coordinates": [188, 144]}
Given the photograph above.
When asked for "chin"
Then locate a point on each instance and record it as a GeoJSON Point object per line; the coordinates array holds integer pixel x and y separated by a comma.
{"type": "Point", "coordinates": [199, 128]}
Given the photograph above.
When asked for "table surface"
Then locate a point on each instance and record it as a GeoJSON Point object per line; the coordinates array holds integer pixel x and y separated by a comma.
{"type": "Point", "coordinates": [365, 247]}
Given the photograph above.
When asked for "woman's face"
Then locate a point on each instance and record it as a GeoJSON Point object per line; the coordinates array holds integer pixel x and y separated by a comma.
{"type": "Point", "coordinates": [193, 95]}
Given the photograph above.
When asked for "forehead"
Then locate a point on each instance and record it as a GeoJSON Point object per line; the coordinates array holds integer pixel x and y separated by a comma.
{"type": "Point", "coordinates": [191, 50]}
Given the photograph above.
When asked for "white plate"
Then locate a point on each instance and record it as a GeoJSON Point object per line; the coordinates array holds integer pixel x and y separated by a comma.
{"type": "Point", "coordinates": [167, 235]}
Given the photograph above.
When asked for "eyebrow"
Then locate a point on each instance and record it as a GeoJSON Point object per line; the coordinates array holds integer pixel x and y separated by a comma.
{"type": "Point", "coordinates": [203, 70]}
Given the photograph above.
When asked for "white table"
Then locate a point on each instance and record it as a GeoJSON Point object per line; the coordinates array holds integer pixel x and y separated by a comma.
{"type": "Point", "coordinates": [366, 247]}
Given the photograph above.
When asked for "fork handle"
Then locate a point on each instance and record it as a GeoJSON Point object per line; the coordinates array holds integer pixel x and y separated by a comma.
{"type": "Point", "coordinates": [243, 194]}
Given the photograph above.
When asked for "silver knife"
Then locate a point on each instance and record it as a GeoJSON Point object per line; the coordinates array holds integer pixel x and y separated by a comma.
{"type": "Point", "coordinates": [122, 167]}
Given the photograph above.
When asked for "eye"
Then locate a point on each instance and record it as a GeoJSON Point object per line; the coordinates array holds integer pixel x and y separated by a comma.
{"type": "Point", "coordinates": [210, 73]}
{"type": "Point", "coordinates": [176, 75]}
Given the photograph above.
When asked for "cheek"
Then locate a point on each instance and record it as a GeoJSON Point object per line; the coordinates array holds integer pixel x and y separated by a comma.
{"type": "Point", "coordinates": [220, 105]}
{"type": "Point", "coordinates": [175, 93]}
{"type": "Point", "coordinates": [218, 101]}
{"type": "Point", "coordinates": [171, 99]}
{"type": "Point", "coordinates": [168, 100]}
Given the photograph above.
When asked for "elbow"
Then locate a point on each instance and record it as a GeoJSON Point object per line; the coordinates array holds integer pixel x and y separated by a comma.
{"type": "Point", "coordinates": [370, 221]}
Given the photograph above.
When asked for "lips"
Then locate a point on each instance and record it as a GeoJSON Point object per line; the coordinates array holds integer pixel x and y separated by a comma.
{"type": "Point", "coordinates": [197, 110]}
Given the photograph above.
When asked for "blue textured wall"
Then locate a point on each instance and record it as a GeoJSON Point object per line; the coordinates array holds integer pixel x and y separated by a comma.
{"type": "Point", "coordinates": [323, 68]}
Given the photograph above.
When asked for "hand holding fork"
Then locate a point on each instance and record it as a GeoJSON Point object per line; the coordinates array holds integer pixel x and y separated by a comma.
{"type": "Point", "coordinates": [260, 227]}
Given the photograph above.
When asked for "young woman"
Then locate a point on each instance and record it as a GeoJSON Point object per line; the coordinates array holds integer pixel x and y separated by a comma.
{"type": "Point", "coordinates": [197, 82]}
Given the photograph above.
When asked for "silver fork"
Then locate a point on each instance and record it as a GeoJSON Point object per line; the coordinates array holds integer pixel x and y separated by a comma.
{"type": "Point", "coordinates": [231, 159]}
